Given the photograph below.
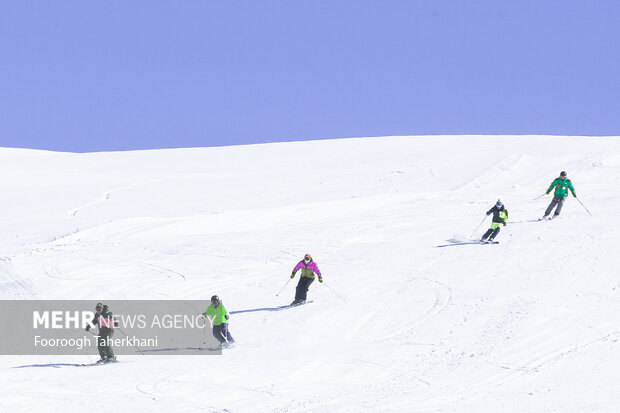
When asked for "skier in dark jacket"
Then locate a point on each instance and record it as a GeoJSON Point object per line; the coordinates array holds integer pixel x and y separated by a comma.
{"type": "Point", "coordinates": [308, 269]}
{"type": "Point", "coordinates": [106, 322]}
{"type": "Point", "coordinates": [500, 218]}
{"type": "Point", "coordinates": [218, 316]}
{"type": "Point", "coordinates": [561, 184]}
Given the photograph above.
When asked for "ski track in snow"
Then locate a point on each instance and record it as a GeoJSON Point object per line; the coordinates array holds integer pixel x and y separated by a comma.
{"type": "Point", "coordinates": [442, 296]}
{"type": "Point", "coordinates": [106, 196]}
{"type": "Point", "coordinates": [525, 325]}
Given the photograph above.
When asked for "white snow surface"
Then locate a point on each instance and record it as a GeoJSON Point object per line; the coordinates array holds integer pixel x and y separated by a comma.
{"type": "Point", "coordinates": [529, 325]}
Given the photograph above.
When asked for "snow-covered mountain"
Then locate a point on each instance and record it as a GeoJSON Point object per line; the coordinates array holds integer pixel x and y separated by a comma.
{"type": "Point", "coordinates": [400, 325]}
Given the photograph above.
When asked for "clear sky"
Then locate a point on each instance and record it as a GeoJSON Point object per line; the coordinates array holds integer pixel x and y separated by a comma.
{"type": "Point", "coordinates": [86, 76]}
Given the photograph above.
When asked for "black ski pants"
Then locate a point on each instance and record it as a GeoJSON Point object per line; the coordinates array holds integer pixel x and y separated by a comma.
{"type": "Point", "coordinates": [222, 334]}
{"type": "Point", "coordinates": [302, 288]}
{"type": "Point", "coordinates": [491, 233]}
{"type": "Point", "coordinates": [105, 350]}
{"type": "Point", "coordinates": [557, 200]}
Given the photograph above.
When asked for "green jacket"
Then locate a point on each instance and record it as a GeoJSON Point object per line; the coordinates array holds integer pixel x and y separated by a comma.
{"type": "Point", "coordinates": [218, 315]}
{"type": "Point", "coordinates": [561, 187]}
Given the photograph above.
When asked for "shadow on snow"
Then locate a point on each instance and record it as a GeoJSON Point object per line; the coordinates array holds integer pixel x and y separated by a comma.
{"type": "Point", "coordinates": [53, 365]}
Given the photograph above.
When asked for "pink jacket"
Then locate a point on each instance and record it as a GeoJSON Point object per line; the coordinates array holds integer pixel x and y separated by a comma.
{"type": "Point", "coordinates": [307, 270]}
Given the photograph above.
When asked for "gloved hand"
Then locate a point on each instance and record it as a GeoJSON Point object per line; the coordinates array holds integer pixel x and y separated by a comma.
{"type": "Point", "coordinates": [488, 213]}
{"type": "Point", "coordinates": [320, 279]}
{"type": "Point", "coordinates": [547, 192]}
{"type": "Point", "coordinates": [88, 327]}
{"type": "Point", "coordinates": [575, 195]}
{"type": "Point", "coordinates": [505, 223]}
{"type": "Point", "coordinates": [293, 275]}
{"type": "Point", "coordinates": [226, 316]}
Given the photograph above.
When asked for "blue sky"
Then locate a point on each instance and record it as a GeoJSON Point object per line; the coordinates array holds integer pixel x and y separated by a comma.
{"type": "Point", "coordinates": [85, 76]}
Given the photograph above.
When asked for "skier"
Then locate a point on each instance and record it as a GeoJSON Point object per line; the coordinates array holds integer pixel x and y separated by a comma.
{"type": "Point", "coordinates": [106, 322]}
{"type": "Point", "coordinates": [218, 316]}
{"type": "Point", "coordinates": [500, 218]}
{"type": "Point", "coordinates": [308, 269]}
{"type": "Point", "coordinates": [561, 184]}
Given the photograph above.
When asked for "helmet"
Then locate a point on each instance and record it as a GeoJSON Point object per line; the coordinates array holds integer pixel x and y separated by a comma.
{"type": "Point", "coordinates": [307, 257]}
{"type": "Point", "coordinates": [99, 305]}
{"type": "Point", "coordinates": [215, 299]}
{"type": "Point", "coordinates": [563, 173]}
{"type": "Point", "coordinates": [499, 204]}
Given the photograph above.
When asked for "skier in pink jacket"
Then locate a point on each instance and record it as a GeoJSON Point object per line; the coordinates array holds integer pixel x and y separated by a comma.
{"type": "Point", "coordinates": [308, 269]}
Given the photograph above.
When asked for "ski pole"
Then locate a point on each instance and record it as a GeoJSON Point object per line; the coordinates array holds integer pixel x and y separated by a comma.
{"type": "Point", "coordinates": [584, 207]}
{"type": "Point", "coordinates": [141, 352]}
{"type": "Point", "coordinates": [225, 338]}
{"type": "Point", "coordinates": [96, 335]}
{"type": "Point", "coordinates": [332, 290]}
{"type": "Point", "coordinates": [204, 329]}
{"type": "Point", "coordinates": [484, 219]}
{"type": "Point", "coordinates": [540, 196]}
{"type": "Point", "coordinates": [289, 280]}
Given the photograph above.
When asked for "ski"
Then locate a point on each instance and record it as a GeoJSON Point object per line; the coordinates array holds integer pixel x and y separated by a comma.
{"type": "Point", "coordinates": [466, 243]}
{"type": "Point", "coordinates": [526, 221]}
{"type": "Point", "coordinates": [284, 307]}
{"type": "Point", "coordinates": [97, 363]}
{"type": "Point", "coordinates": [551, 218]}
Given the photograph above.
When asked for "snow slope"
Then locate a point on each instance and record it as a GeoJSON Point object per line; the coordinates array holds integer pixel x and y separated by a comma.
{"type": "Point", "coordinates": [527, 325]}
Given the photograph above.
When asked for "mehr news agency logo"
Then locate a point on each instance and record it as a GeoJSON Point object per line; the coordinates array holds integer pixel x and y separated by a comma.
{"type": "Point", "coordinates": [87, 320]}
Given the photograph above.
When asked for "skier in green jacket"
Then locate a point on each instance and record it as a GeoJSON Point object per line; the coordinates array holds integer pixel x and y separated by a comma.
{"type": "Point", "coordinates": [561, 184]}
{"type": "Point", "coordinates": [218, 316]}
